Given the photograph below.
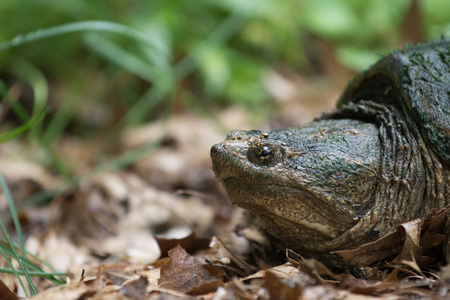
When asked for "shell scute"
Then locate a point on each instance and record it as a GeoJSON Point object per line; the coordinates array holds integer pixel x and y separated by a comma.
{"type": "Point", "coordinates": [421, 76]}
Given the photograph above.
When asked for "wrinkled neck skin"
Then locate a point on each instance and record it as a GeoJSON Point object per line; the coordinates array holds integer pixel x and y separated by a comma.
{"type": "Point", "coordinates": [446, 175]}
{"type": "Point", "coordinates": [412, 178]}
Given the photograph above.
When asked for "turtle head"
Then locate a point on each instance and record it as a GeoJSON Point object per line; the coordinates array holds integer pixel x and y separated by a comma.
{"type": "Point", "coordinates": [308, 184]}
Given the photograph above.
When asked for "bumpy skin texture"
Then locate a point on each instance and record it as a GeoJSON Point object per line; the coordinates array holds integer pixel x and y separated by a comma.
{"type": "Point", "coordinates": [354, 174]}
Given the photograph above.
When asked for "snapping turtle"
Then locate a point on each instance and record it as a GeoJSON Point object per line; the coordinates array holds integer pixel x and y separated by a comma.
{"type": "Point", "coordinates": [352, 175]}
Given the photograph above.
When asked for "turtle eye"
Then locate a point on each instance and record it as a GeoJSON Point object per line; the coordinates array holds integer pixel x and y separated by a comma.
{"type": "Point", "coordinates": [264, 153]}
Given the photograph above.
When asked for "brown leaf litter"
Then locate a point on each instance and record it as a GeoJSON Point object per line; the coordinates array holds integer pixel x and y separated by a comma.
{"type": "Point", "coordinates": [121, 236]}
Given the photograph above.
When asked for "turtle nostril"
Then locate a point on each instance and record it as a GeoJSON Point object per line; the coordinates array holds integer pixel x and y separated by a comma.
{"type": "Point", "coordinates": [215, 150]}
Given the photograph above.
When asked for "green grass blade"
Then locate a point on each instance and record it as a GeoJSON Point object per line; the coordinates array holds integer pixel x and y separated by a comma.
{"type": "Point", "coordinates": [129, 61]}
{"type": "Point", "coordinates": [32, 273]}
{"type": "Point", "coordinates": [32, 267]}
{"type": "Point", "coordinates": [14, 216]}
{"type": "Point", "coordinates": [23, 115]}
{"type": "Point", "coordinates": [81, 26]}
{"type": "Point", "coordinates": [14, 133]}
{"type": "Point", "coordinates": [19, 260]}
{"type": "Point", "coordinates": [20, 236]}
{"type": "Point", "coordinates": [13, 270]}
{"type": "Point", "coordinates": [31, 74]}
{"type": "Point", "coordinates": [145, 104]}
{"type": "Point", "coordinates": [220, 36]}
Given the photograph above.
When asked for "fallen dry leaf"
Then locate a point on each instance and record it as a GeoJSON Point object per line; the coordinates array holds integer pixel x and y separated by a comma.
{"type": "Point", "coordinates": [408, 241]}
{"type": "Point", "coordinates": [435, 221]}
{"type": "Point", "coordinates": [372, 252]}
{"type": "Point", "coordinates": [280, 290]}
{"type": "Point", "coordinates": [185, 274]}
{"type": "Point", "coordinates": [135, 289]}
{"type": "Point", "coordinates": [73, 291]}
{"type": "Point", "coordinates": [411, 251]}
{"type": "Point", "coordinates": [6, 293]}
{"type": "Point", "coordinates": [312, 267]}
{"type": "Point", "coordinates": [283, 271]}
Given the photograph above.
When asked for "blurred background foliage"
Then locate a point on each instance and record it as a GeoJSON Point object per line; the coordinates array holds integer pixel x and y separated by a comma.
{"type": "Point", "coordinates": [155, 58]}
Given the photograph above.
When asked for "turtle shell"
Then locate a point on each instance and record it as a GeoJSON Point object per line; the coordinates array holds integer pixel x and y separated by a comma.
{"type": "Point", "coordinates": [420, 77]}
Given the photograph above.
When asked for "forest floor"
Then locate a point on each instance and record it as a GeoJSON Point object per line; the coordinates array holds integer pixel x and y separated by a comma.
{"type": "Point", "coordinates": [163, 228]}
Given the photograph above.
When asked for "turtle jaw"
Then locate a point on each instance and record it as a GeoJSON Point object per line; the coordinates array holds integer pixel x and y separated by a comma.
{"type": "Point", "coordinates": [304, 215]}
